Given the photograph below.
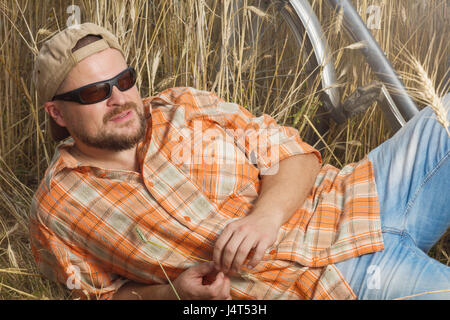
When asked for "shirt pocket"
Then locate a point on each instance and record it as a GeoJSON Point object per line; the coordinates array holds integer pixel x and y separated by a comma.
{"type": "Point", "coordinates": [218, 166]}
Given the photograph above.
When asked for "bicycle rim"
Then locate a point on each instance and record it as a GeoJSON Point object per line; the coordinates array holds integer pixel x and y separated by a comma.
{"type": "Point", "coordinates": [277, 64]}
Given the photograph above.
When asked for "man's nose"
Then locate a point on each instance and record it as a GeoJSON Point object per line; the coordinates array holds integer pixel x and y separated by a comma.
{"type": "Point", "coordinates": [117, 97]}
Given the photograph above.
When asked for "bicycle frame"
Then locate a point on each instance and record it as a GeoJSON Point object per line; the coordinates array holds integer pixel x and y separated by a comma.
{"type": "Point", "coordinates": [376, 58]}
{"type": "Point", "coordinates": [393, 99]}
{"type": "Point", "coordinates": [398, 105]}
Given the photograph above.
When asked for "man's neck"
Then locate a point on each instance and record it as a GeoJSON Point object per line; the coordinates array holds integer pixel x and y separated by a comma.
{"type": "Point", "coordinates": [107, 159]}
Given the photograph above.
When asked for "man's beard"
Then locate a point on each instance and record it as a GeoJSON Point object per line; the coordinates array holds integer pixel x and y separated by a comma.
{"type": "Point", "coordinates": [114, 141]}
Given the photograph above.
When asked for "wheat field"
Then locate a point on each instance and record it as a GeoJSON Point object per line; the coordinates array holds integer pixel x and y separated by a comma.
{"type": "Point", "coordinates": [206, 44]}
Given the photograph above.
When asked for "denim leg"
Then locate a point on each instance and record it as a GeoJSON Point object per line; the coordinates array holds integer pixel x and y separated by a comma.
{"type": "Point", "coordinates": [399, 271]}
{"type": "Point", "coordinates": [412, 172]}
{"type": "Point", "coordinates": [428, 213]}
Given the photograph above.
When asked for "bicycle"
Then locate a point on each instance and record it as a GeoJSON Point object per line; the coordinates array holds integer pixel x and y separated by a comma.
{"type": "Point", "coordinates": [305, 28]}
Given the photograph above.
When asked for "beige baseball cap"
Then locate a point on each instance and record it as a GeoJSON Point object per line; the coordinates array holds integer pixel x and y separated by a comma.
{"type": "Point", "coordinates": [56, 59]}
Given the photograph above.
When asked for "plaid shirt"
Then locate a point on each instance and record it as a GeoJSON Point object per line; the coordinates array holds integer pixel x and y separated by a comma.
{"type": "Point", "coordinates": [199, 171]}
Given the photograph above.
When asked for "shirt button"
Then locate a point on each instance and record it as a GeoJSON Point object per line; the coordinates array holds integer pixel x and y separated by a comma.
{"type": "Point", "coordinates": [180, 139]}
{"type": "Point", "coordinates": [187, 218]}
{"type": "Point", "coordinates": [150, 184]}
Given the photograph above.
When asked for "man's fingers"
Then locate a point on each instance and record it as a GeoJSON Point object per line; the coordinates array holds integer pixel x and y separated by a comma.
{"type": "Point", "coordinates": [203, 269]}
{"type": "Point", "coordinates": [220, 244]}
{"type": "Point", "coordinates": [225, 290]}
{"type": "Point", "coordinates": [215, 288]}
{"type": "Point", "coordinates": [220, 290]}
{"type": "Point", "coordinates": [242, 253]}
{"type": "Point", "coordinates": [191, 283]}
{"type": "Point", "coordinates": [259, 253]}
{"type": "Point", "coordinates": [229, 252]}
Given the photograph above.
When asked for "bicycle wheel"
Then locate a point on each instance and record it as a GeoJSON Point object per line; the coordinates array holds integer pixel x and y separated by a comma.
{"type": "Point", "coordinates": [286, 67]}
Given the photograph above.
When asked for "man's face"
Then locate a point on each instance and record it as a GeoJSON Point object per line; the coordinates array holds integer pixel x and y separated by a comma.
{"type": "Point", "coordinates": [96, 124]}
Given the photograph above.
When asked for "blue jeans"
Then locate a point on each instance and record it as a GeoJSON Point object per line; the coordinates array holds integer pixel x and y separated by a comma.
{"type": "Point", "coordinates": [412, 173]}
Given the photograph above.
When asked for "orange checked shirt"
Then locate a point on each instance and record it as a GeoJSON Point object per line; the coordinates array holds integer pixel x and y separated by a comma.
{"type": "Point", "coordinates": [201, 163]}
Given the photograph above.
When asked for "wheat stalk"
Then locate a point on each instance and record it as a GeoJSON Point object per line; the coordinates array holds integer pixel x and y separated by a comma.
{"type": "Point", "coordinates": [18, 291]}
{"type": "Point", "coordinates": [168, 279]}
{"type": "Point", "coordinates": [139, 232]}
{"type": "Point", "coordinates": [430, 95]}
{"type": "Point", "coordinates": [425, 89]}
{"type": "Point", "coordinates": [338, 24]}
{"type": "Point", "coordinates": [421, 294]}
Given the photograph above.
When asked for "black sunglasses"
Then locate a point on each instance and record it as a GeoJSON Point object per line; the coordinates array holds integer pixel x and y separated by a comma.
{"type": "Point", "coordinates": [99, 91]}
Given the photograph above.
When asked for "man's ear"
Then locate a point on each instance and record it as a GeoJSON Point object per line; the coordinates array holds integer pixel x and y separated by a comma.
{"type": "Point", "coordinates": [54, 111]}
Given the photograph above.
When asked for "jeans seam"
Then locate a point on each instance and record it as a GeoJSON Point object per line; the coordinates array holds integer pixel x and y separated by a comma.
{"type": "Point", "coordinates": [412, 247]}
{"type": "Point", "coordinates": [410, 203]}
{"type": "Point", "coordinates": [404, 236]}
{"type": "Point", "coordinates": [391, 230]}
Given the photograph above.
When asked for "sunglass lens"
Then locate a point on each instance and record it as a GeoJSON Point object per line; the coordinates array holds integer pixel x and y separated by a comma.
{"type": "Point", "coordinates": [95, 93]}
{"type": "Point", "coordinates": [126, 81]}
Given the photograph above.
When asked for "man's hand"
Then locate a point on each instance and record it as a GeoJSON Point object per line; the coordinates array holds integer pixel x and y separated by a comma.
{"type": "Point", "coordinates": [238, 238]}
{"type": "Point", "coordinates": [198, 282]}
{"type": "Point", "coordinates": [194, 283]}
{"type": "Point", "coordinates": [280, 196]}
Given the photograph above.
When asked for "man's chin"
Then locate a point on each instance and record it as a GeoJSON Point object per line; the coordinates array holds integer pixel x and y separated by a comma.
{"type": "Point", "coordinates": [112, 142]}
{"type": "Point", "coordinates": [115, 139]}
{"type": "Point", "coordinates": [121, 144]}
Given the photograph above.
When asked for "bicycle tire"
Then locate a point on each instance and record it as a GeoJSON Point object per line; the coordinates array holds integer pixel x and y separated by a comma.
{"type": "Point", "coordinates": [284, 17]}
{"type": "Point", "coordinates": [398, 107]}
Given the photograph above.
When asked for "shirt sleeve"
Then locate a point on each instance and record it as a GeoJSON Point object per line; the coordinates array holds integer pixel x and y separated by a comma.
{"type": "Point", "coordinates": [264, 142]}
{"type": "Point", "coordinates": [60, 261]}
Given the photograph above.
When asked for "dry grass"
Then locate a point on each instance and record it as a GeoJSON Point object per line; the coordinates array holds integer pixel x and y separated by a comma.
{"type": "Point", "coordinates": [190, 43]}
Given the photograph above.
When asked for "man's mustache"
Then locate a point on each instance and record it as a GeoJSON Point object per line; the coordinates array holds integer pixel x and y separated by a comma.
{"type": "Point", "coordinates": [127, 106]}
